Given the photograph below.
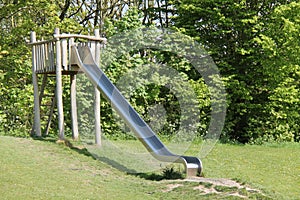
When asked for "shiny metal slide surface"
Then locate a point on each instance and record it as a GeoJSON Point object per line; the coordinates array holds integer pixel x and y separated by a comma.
{"type": "Point", "coordinates": [83, 58]}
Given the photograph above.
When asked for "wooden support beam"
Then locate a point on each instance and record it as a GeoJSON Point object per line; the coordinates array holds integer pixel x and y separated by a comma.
{"type": "Point", "coordinates": [74, 119]}
{"type": "Point", "coordinates": [97, 94]}
{"type": "Point", "coordinates": [37, 117]}
{"type": "Point", "coordinates": [50, 115]}
{"type": "Point", "coordinates": [74, 116]}
{"type": "Point", "coordinates": [59, 88]}
{"type": "Point", "coordinates": [64, 53]}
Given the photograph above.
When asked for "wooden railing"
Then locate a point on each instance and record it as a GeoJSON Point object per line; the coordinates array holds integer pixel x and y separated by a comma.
{"type": "Point", "coordinates": [51, 55]}
{"type": "Point", "coordinates": [43, 55]}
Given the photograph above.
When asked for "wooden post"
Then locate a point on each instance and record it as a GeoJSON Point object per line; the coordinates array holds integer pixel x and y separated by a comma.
{"type": "Point", "coordinates": [37, 117]}
{"type": "Point", "coordinates": [59, 88]}
{"type": "Point", "coordinates": [74, 120]}
{"type": "Point", "coordinates": [64, 53]}
{"type": "Point", "coordinates": [97, 94]}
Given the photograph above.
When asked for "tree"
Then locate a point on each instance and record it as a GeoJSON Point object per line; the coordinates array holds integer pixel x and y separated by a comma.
{"type": "Point", "coordinates": [17, 19]}
{"type": "Point", "coordinates": [146, 91]}
{"type": "Point", "coordinates": [228, 30]}
{"type": "Point", "coordinates": [280, 45]}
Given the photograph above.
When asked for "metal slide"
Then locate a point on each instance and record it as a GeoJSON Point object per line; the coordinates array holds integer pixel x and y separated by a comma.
{"type": "Point", "coordinates": [83, 58]}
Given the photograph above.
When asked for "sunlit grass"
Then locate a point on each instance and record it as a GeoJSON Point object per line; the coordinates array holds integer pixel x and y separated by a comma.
{"type": "Point", "coordinates": [274, 168]}
{"type": "Point", "coordinates": [32, 169]}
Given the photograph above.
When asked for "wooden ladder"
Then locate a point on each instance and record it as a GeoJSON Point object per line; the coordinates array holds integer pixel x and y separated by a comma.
{"type": "Point", "coordinates": [47, 103]}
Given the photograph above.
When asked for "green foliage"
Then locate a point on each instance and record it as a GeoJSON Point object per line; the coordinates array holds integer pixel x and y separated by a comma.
{"type": "Point", "coordinates": [280, 68]}
{"type": "Point", "coordinates": [17, 20]}
{"type": "Point", "coordinates": [255, 47]}
{"type": "Point", "coordinates": [156, 80]}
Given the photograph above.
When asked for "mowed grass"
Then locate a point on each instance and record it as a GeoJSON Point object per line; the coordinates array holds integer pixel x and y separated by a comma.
{"type": "Point", "coordinates": [273, 168]}
{"type": "Point", "coordinates": [32, 169]}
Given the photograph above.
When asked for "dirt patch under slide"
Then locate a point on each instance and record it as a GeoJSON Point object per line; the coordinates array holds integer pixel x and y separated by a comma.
{"type": "Point", "coordinates": [217, 186]}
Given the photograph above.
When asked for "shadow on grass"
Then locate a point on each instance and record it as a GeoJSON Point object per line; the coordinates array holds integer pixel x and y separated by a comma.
{"type": "Point", "coordinates": [149, 176]}
{"type": "Point", "coordinates": [168, 173]}
{"type": "Point", "coordinates": [84, 151]}
{"type": "Point", "coordinates": [115, 164]}
{"type": "Point", "coordinates": [66, 143]}
{"type": "Point", "coordinates": [44, 139]}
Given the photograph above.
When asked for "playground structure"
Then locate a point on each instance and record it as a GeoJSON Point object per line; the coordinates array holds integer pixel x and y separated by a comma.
{"type": "Point", "coordinates": [53, 58]}
{"type": "Point", "coordinates": [63, 56]}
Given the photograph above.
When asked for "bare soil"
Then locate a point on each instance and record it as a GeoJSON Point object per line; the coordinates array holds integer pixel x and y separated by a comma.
{"type": "Point", "coordinates": [222, 186]}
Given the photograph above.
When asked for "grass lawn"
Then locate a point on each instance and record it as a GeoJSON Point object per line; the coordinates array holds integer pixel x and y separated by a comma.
{"type": "Point", "coordinates": [275, 169]}
{"type": "Point", "coordinates": [32, 169]}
